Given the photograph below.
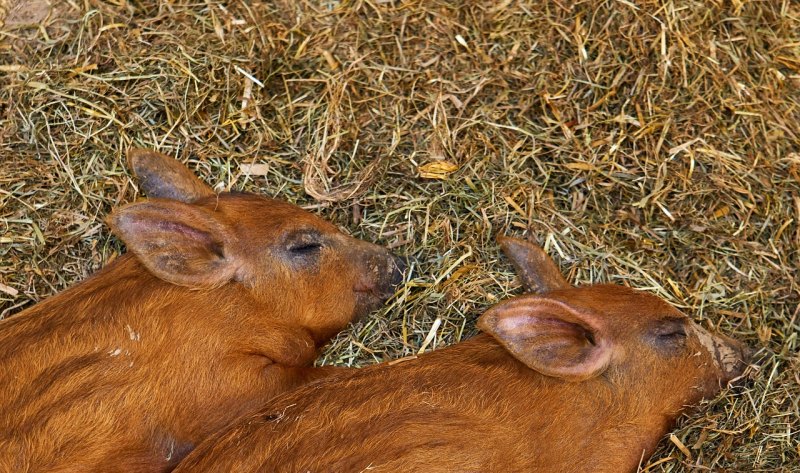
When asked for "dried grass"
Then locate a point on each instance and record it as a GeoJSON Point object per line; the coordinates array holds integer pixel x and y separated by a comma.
{"type": "Point", "coordinates": [651, 143]}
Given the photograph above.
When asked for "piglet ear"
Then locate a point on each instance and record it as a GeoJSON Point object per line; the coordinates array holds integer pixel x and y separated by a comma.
{"type": "Point", "coordinates": [161, 176]}
{"type": "Point", "coordinates": [180, 243]}
{"type": "Point", "coordinates": [550, 337]}
{"type": "Point", "coordinates": [537, 270]}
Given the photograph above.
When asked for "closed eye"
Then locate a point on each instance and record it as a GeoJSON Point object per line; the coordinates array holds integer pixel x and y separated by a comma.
{"type": "Point", "coordinates": [305, 248]}
{"type": "Point", "coordinates": [673, 335]}
{"type": "Point", "coordinates": [668, 335]}
{"type": "Point", "coordinates": [671, 327]}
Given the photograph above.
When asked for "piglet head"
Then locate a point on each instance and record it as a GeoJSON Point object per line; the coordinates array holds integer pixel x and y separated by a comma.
{"type": "Point", "coordinates": [633, 339]}
{"type": "Point", "coordinates": [295, 265]}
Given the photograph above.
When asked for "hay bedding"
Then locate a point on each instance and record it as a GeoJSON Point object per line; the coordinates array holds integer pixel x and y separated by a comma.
{"type": "Point", "coordinates": [651, 143]}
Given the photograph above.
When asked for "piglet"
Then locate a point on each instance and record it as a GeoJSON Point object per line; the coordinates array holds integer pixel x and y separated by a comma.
{"type": "Point", "coordinates": [572, 379]}
{"type": "Point", "coordinates": [220, 304]}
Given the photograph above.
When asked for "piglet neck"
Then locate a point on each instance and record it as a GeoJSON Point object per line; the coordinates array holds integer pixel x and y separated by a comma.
{"type": "Point", "coordinates": [124, 293]}
{"type": "Point", "coordinates": [621, 421]}
{"type": "Point", "coordinates": [612, 422]}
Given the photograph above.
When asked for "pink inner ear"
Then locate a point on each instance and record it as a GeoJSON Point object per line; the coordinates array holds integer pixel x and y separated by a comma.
{"type": "Point", "coordinates": [177, 235]}
{"type": "Point", "coordinates": [550, 336]}
{"type": "Point", "coordinates": [553, 329]}
{"type": "Point", "coordinates": [544, 323]}
{"type": "Point", "coordinates": [180, 243]}
{"type": "Point", "coordinates": [183, 231]}
{"type": "Point", "coordinates": [538, 314]}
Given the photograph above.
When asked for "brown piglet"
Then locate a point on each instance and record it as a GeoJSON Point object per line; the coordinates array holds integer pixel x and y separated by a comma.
{"type": "Point", "coordinates": [572, 379]}
{"type": "Point", "coordinates": [221, 302]}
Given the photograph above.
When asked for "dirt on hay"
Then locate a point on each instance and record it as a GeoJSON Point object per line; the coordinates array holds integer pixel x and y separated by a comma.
{"type": "Point", "coordinates": [652, 143]}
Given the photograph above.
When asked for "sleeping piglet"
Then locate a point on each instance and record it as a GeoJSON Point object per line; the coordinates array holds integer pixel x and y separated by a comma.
{"type": "Point", "coordinates": [571, 379]}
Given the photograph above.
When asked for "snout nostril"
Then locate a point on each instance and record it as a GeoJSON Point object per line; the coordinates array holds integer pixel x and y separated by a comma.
{"type": "Point", "coordinates": [399, 269]}
{"type": "Point", "coordinates": [401, 263]}
{"type": "Point", "coordinates": [747, 354]}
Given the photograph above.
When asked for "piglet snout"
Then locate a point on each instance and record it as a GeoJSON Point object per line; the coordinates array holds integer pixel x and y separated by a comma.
{"type": "Point", "coordinates": [399, 266]}
{"type": "Point", "coordinates": [730, 356]}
